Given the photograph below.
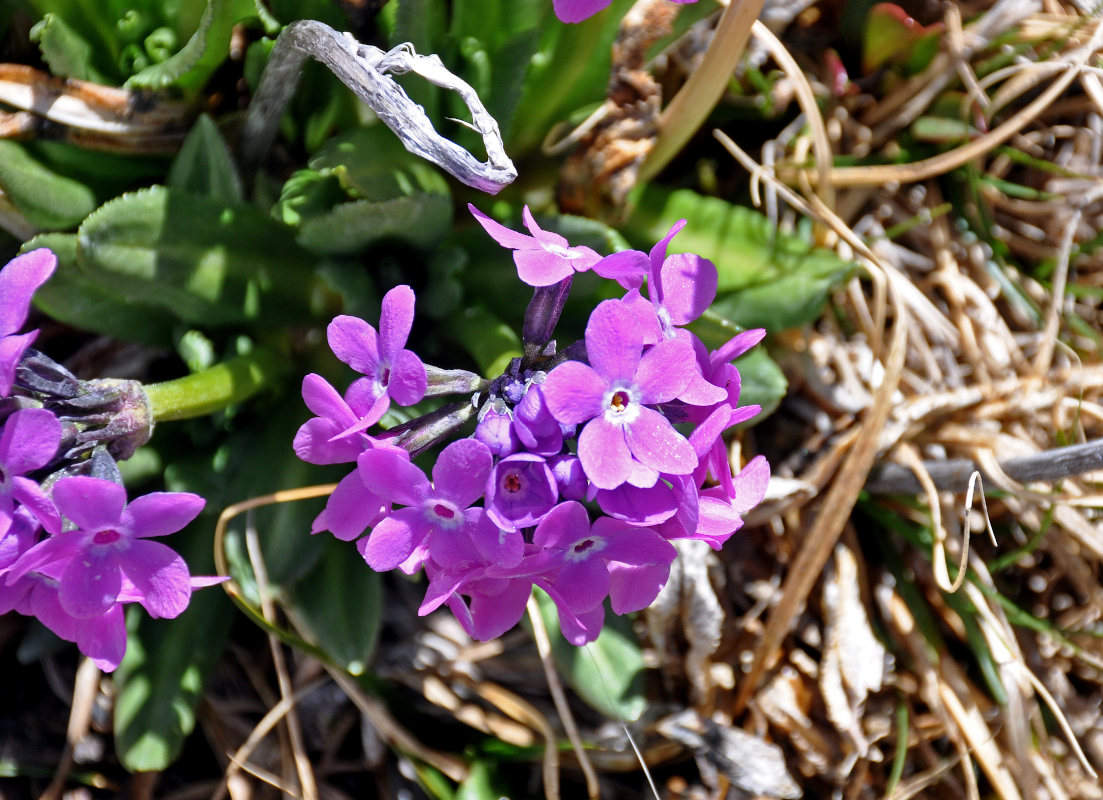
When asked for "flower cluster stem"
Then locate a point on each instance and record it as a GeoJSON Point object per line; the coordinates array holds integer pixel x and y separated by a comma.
{"type": "Point", "coordinates": [213, 389]}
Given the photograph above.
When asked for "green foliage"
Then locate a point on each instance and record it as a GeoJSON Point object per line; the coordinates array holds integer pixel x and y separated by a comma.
{"type": "Point", "coordinates": [48, 200]}
{"type": "Point", "coordinates": [338, 606]}
{"type": "Point", "coordinates": [204, 165]}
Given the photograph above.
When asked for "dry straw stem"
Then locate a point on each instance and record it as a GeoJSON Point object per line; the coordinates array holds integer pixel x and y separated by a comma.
{"type": "Point", "coordinates": [843, 493]}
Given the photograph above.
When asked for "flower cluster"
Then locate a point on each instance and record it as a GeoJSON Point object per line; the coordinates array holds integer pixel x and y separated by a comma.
{"type": "Point", "coordinates": [584, 465]}
{"type": "Point", "coordinates": [72, 551]}
{"type": "Point", "coordinates": [578, 10]}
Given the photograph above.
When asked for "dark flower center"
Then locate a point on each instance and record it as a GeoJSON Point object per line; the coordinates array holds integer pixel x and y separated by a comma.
{"type": "Point", "coordinates": [385, 378]}
{"type": "Point", "coordinates": [619, 401]}
{"type": "Point", "coordinates": [106, 537]}
{"type": "Point", "coordinates": [443, 511]}
{"type": "Point", "coordinates": [512, 483]}
{"type": "Point", "coordinates": [583, 546]}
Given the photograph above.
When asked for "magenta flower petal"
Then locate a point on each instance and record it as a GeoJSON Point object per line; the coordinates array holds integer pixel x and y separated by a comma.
{"type": "Point", "coordinates": [322, 441]}
{"type": "Point", "coordinates": [665, 371]}
{"type": "Point", "coordinates": [11, 351]}
{"type": "Point", "coordinates": [613, 344]}
{"type": "Point", "coordinates": [355, 343]}
{"type": "Point", "coordinates": [91, 504]}
{"type": "Point", "coordinates": [392, 476]}
{"type": "Point", "coordinates": [29, 440]}
{"type": "Point", "coordinates": [639, 506]}
{"type": "Point", "coordinates": [541, 268]}
{"type": "Point", "coordinates": [657, 256]}
{"type": "Point", "coordinates": [325, 401]}
{"type": "Point", "coordinates": [630, 544]}
{"type": "Point", "coordinates": [578, 10]}
{"type": "Point", "coordinates": [407, 380]}
{"type": "Point", "coordinates": [653, 440]}
{"type": "Point", "coordinates": [352, 508]}
{"type": "Point", "coordinates": [562, 526]}
{"type": "Point", "coordinates": [18, 281]}
{"type": "Point", "coordinates": [90, 583]}
{"type": "Point", "coordinates": [634, 588]}
{"type": "Point", "coordinates": [574, 392]}
{"type": "Point", "coordinates": [737, 346]}
{"type": "Point", "coordinates": [393, 540]}
{"type": "Point", "coordinates": [160, 576]}
{"type": "Point", "coordinates": [584, 579]}
{"type": "Point", "coordinates": [604, 453]}
{"type": "Point", "coordinates": [103, 638]}
{"type": "Point", "coordinates": [751, 484]}
{"type": "Point", "coordinates": [689, 285]}
{"type": "Point", "coordinates": [629, 268]}
{"type": "Point", "coordinates": [161, 513]}
{"type": "Point", "coordinates": [395, 321]}
{"type": "Point", "coordinates": [504, 236]}
{"type": "Point", "coordinates": [62, 547]}
{"type": "Point", "coordinates": [460, 473]}
{"type": "Point", "coordinates": [32, 497]}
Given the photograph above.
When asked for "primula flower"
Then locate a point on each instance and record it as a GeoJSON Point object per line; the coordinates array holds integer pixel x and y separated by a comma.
{"type": "Point", "coordinates": [520, 491]}
{"type": "Point", "coordinates": [612, 394]}
{"type": "Point", "coordinates": [109, 551]}
{"type": "Point", "coordinates": [578, 10]}
{"type": "Point", "coordinates": [626, 563]}
{"type": "Point", "coordinates": [544, 257]}
{"type": "Point", "coordinates": [18, 281]}
{"type": "Point", "coordinates": [29, 441]}
{"type": "Point", "coordinates": [438, 514]}
{"type": "Point", "coordinates": [391, 371]}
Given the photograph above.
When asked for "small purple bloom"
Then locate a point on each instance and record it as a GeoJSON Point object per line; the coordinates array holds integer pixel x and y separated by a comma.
{"type": "Point", "coordinates": [109, 549]}
{"type": "Point", "coordinates": [585, 556]}
{"type": "Point", "coordinates": [29, 441]}
{"type": "Point", "coordinates": [520, 491]}
{"type": "Point", "coordinates": [437, 514]}
{"type": "Point", "coordinates": [335, 436]}
{"type": "Point", "coordinates": [578, 10]}
{"type": "Point", "coordinates": [391, 371]}
{"type": "Point", "coordinates": [18, 281]}
{"type": "Point", "coordinates": [544, 257]}
{"type": "Point", "coordinates": [612, 396]}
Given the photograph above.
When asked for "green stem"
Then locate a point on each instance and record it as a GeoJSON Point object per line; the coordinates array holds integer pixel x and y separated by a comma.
{"type": "Point", "coordinates": [214, 388]}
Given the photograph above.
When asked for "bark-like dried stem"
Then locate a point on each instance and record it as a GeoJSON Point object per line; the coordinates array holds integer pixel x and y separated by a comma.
{"type": "Point", "coordinates": [365, 70]}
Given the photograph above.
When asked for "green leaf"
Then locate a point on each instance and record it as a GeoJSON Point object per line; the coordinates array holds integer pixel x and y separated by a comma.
{"type": "Point", "coordinates": [608, 672]}
{"type": "Point", "coordinates": [71, 297]}
{"type": "Point", "coordinates": [767, 278]}
{"type": "Point", "coordinates": [204, 166]}
{"type": "Point", "coordinates": [421, 220]}
{"type": "Point", "coordinates": [197, 259]}
{"type": "Point", "coordinates": [339, 606]}
{"type": "Point", "coordinates": [372, 164]}
{"type": "Point", "coordinates": [892, 37]}
{"type": "Point", "coordinates": [48, 200]}
{"type": "Point", "coordinates": [68, 53]}
{"type": "Point", "coordinates": [204, 52]}
{"type": "Point", "coordinates": [480, 783]}
{"type": "Point", "coordinates": [167, 662]}
{"type": "Point", "coordinates": [491, 342]}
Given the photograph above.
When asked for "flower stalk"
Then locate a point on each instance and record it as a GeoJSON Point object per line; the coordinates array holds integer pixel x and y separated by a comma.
{"type": "Point", "coordinates": [233, 381]}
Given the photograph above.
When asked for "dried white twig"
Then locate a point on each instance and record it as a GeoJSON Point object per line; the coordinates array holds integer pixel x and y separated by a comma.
{"type": "Point", "coordinates": [366, 70]}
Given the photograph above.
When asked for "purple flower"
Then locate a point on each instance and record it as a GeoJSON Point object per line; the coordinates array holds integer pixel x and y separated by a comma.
{"type": "Point", "coordinates": [108, 558]}
{"type": "Point", "coordinates": [578, 10]}
{"type": "Point", "coordinates": [720, 511]}
{"type": "Point", "coordinates": [520, 491]}
{"type": "Point", "coordinates": [437, 514]}
{"type": "Point", "coordinates": [391, 371]}
{"type": "Point", "coordinates": [626, 563]}
{"type": "Point", "coordinates": [18, 281]}
{"type": "Point", "coordinates": [29, 441]}
{"type": "Point", "coordinates": [335, 436]}
{"type": "Point", "coordinates": [623, 437]}
{"type": "Point", "coordinates": [544, 257]}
